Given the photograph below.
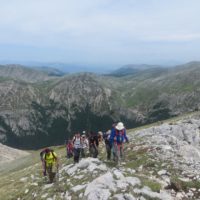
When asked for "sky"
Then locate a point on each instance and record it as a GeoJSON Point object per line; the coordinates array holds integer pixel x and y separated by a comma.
{"type": "Point", "coordinates": [100, 32]}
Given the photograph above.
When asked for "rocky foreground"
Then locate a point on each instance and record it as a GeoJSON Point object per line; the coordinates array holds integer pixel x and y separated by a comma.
{"type": "Point", "coordinates": [175, 147]}
{"type": "Point", "coordinates": [162, 162]}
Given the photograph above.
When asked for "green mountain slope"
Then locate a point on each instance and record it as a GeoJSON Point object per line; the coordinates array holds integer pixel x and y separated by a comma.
{"type": "Point", "coordinates": [168, 92]}
{"type": "Point", "coordinates": [34, 114]}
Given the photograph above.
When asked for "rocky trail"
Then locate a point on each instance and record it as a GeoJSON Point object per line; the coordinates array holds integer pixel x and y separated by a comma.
{"type": "Point", "coordinates": [162, 162]}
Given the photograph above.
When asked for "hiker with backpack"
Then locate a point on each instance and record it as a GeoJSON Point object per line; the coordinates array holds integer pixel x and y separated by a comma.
{"type": "Point", "coordinates": [106, 137]}
{"type": "Point", "coordinates": [117, 138]}
{"type": "Point", "coordinates": [93, 145]}
{"type": "Point", "coordinates": [84, 146]}
{"type": "Point", "coordinates": [77, 143]}
{"type": "Point", "coordinates": [69, 148]}
{"type": "Point", "coordinates": [50, 161]}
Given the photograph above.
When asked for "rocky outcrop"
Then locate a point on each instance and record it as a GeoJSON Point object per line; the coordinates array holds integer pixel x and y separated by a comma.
{"type": "Point", "coordinates": [176, 146]}
{"type": "Point", "coordinates": [179, 141]}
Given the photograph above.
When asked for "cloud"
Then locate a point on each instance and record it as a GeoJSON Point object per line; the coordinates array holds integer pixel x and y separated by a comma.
{"type": "Point", "coordinates": [98, 27]}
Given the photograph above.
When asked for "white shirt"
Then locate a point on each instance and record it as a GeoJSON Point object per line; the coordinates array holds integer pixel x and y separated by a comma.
{"type": "Point", "coordinates": [77, 142]}
{"type": "Point", "coordinates": [84, 143]}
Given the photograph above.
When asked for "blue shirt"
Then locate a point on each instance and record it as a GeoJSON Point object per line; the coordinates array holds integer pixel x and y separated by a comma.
{"type": "Point", "coordinates": [118, 136]}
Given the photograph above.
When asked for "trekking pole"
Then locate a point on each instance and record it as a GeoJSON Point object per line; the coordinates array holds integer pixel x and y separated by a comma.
{"type": "Point", "coordinates": [57, 173]}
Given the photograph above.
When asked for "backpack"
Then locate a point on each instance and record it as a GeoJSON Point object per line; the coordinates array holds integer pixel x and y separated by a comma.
{"type": "Point", "coordinates": [119, 135]}
{"type": "Point", "coordinates": [52, 152]}
{"type": "Point", "coordinates": [69, 147]}
{"type": "Point", "coordinates": [93, 140]}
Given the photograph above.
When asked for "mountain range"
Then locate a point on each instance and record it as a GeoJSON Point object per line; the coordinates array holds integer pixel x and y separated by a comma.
{"type": "Point", "coordinates": [43, 107]}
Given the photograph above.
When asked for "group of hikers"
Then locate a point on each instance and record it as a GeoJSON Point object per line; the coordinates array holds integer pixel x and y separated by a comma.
{"type": "Point", "coordinates": [87, 144]}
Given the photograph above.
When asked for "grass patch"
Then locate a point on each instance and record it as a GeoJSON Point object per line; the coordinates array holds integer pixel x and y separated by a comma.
{"type": "Point", "coordinates": [150, 198]}
{"type": "Point", "coordinates": [152, 184]}
{"type": "Point", "coordinates": [137, 158]}
{"type": "Point", "coordinates": [136, 162]}
{"type": "Point", "coordinates": [111, 164]}
{"type": "Point", "coordinates": [179, 185]}
{"type": "Point", "coordinates": [155, 186]}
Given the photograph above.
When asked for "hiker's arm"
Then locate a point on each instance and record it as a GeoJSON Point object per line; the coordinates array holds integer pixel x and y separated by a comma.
{"type": "Point", "coordinates": [87, 143]}
{"type": "Point", "coordinates": [73, 140]}
{"type": "Point", "coordinates": [112, 135]}
{"type": "Point", "coordinates": [41, 155]}
{"type": "Point", "coordinates": [56, 159]}
{"type": "Point", "coordinates": [82, 141]}
{"type": "Point", "coordinates": [97, 141]}
{"type": "Point", "coordinates": [125, 136]}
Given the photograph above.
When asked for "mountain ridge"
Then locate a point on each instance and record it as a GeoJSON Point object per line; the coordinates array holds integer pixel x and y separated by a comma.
{"type": "Point", "coordinates": [86, 101]}
{"type": "Point", "coordinates": [28, 74]}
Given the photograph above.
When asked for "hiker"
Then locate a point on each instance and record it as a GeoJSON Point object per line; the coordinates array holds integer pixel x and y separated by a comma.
{"type": "Point", "coordinates": [84, 146]}
{"type": "Point", "coordinates": [77, 143]}
{"type": "Point", "coordinates": [101, 145]}
{"type": "Point", "coordinates": [51, 161]}
{"type": "Point", "coordinates": [70, 149]}
{"type": "Point", "coordinates": [100, 136]}
{"type": "Point", "coordinates": [117, 138]}
{"type": "Point", "coordinates": [93, 145]}
{"type": "Point", "coordinates": [106, 137]}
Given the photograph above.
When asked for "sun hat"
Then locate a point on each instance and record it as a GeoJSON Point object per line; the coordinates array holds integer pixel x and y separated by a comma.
{"type": "Point", "coordinates": [119, 126]}
{"type": "Point", "coordinates": [100, 133]}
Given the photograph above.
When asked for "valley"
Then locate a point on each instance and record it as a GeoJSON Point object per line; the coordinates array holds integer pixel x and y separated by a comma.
{"type": "Point", "coordinates": [55, 107]}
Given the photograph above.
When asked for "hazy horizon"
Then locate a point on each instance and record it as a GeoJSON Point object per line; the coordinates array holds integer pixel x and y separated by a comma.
{"type": "Point", "coordinates": [100, 33]}
{"type": "Point", "coordinates": [81, 68]}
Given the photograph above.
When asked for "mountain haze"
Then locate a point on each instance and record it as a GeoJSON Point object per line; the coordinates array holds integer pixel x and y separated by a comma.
{"type": "Point", "coordinates": [133, 69]}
